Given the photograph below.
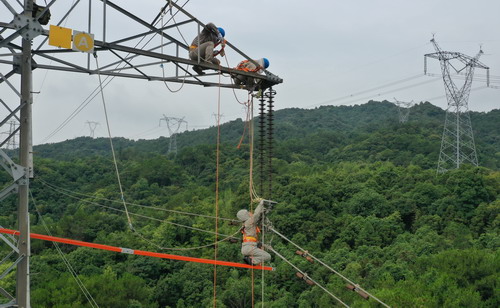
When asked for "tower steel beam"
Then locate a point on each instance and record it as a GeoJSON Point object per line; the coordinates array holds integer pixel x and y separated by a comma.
{"type": "Point", "coordinates": [26, 161]}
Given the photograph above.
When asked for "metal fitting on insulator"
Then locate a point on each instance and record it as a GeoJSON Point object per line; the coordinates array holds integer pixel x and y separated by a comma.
{"type": "Point", "coordinates": [305, 254]}
{"type": "Point", "coordinates": [270, 93]}
{"type": "Point", "coordinates": [305, 277]}
{"type": "Point", "coordinates": [357, 290]}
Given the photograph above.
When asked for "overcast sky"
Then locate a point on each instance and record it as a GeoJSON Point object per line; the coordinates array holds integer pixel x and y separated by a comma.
{"type": "Point", "coordinates": [327, 52]}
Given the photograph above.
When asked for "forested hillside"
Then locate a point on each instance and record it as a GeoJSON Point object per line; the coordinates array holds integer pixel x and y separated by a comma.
{"type": "Point", "coordinates": [354, 187]}
{"type": "Point", "coordinates": [362, 132]}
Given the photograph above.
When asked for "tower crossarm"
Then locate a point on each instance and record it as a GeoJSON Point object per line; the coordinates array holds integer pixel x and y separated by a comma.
{"type": "Point", "coordinates": [465, 59]}
{"type": "Point", "coordinates": [123, 49]}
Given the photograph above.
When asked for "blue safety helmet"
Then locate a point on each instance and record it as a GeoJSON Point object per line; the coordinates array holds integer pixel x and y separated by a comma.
{"type": "Point", "coordinates": [221, 31]}
{"type": "Point", "coordinates": [266, 63]}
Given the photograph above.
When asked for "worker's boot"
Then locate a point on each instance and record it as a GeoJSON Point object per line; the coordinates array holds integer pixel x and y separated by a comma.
{"type": "Point", "coordinates": [198, 70]}
{"type": "Point", "coordinates": [215, 61]}
{"type": "Point", "coordinates": [247, 260]}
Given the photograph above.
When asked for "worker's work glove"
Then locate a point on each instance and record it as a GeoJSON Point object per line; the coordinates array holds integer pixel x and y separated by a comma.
{"type": "Point", "coordinates": [222, 53]}
{"type": "Point", "coordinates": [259, 244]}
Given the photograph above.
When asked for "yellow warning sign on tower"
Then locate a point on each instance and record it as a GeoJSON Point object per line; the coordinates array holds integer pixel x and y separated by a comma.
{"type": "Point", "coordinates": [83, 41]}
{"type": "Point", "coordinates": [60, 37]}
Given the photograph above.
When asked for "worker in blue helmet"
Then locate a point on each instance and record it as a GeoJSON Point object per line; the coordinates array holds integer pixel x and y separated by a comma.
{"type": "Point", "coordinates": [203, 45]}
{"type": "Point", "coordinates": [254, 66]}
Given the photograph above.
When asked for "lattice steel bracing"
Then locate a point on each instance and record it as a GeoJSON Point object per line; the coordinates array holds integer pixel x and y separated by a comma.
{"type": "Point", "coordinates": [127, 46]}
{"type": "Point", "coordinates": [457, 143]}
{"type": "Point", "coordinates": [403, 110]}
{"type": "Point", "coordinates": [174, 125]}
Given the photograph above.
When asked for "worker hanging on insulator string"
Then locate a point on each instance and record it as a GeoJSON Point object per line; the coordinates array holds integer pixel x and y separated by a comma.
{"type": "Point", "coordinates": [204, 44]}
{"type": "Point", "coordinates": [249, 66]}
{"type": "Point", "coordinates": [251, 248]}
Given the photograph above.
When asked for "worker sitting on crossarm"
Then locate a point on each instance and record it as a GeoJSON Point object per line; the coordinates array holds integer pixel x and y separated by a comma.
{"type": "Point", "coordinates": [249, 66]}
{"type": "Point", "coordinates": [251, 247]}
{"type": "Point", "coordinates": [203, 46]}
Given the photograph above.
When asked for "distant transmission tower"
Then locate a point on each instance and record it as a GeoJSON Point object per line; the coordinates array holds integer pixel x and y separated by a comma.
{"type": "Point", "coordinates": [11, 142]}
{"type": "Point", "coordinates": [218, 118]}
{"type": "Point", "coordinates": [92, 126]}
{"type": "Point", "coordinates": [12, 136]}
{"type": "Point", "coordinates": [457, 144]}
{"type": "Point", "coordinates": [403, 110]}
{"type": "Point", "coordinates": [173, 125]}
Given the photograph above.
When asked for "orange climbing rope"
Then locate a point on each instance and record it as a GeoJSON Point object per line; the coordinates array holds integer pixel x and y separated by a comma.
{"type": "Point", "coordinates": [135, 252]}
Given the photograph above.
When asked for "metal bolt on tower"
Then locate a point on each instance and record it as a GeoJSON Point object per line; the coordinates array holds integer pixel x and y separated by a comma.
{"type": "Point", "coordinates": [457, 143]}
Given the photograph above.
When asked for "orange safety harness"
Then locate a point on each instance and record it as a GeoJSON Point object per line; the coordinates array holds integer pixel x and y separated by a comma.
{"type": "Point", "coordinates": [247, 238]}
{"type": "Point", "coordinates": [241, 66]}
{"type": "Point", "coordinates": [217, 44]}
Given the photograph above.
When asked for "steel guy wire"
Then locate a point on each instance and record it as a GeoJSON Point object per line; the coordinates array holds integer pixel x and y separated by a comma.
{"type": "Point", "coordinates": [444, 96]}
{"type": "Point", "coordinates": [368, 90]}
{"type": "Point", "coordinates": [69, 192]}
{"type": "Point", "coordinates": [392, 91]}
{"type": "Point", "coordinates": [328, 267]}
{"type": "Point", "coordinates": [161, 221]}
{"type": "Point", "coordinates": [111, 144]}
{"type": "Point", "coordinates": [307, 276]}
{"type": "Point", "coordinates": [72, 271]}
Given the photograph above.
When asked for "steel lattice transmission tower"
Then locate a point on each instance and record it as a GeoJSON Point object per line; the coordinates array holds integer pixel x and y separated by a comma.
{"type": "Point", "coordinates": [173, 125]}
{"type": "Point", "coordinates": [10, 142]}
{"type": "Point", "coordinates": [403, 110]}
{"type": "Point", "coordinates": [25, 45]}
{"type": "Point", "coordinates": [457, 143]}
{"type": "Point", "coordinates": [92, 126]}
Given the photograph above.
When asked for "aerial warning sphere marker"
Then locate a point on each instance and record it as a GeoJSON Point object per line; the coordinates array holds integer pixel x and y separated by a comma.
{"type": "Point", "coordinates": [83, 41]}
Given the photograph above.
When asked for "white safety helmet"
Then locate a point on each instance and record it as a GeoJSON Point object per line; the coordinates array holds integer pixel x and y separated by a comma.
{"type": "Point", "coordinates": [243, 215]}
